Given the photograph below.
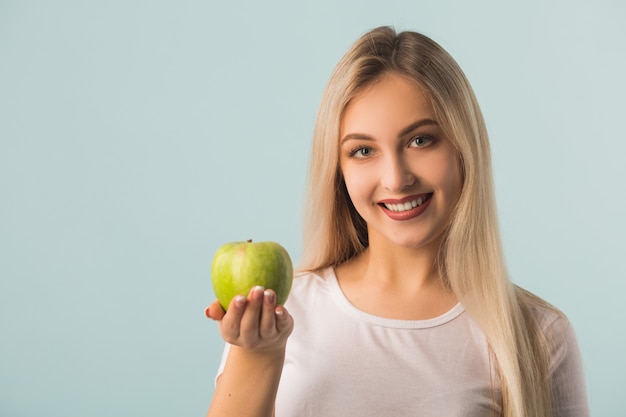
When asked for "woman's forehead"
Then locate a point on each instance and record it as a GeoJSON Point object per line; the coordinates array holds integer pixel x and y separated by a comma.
{"type": "Point", "coordinates": [393, 102]}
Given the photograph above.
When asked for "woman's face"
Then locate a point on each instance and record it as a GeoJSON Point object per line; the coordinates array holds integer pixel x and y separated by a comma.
{"type": "Point", "coordinates": [402, 174]}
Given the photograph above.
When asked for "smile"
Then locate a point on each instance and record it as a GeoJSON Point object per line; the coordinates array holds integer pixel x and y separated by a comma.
{"type": "Point", "coordinates": [406, 208]}
{"type": "Point", "coordinates": [407, 205]}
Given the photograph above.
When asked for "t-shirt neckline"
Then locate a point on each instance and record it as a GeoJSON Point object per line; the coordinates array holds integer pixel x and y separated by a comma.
{"type": "Point", "coordinates": [347, 307]}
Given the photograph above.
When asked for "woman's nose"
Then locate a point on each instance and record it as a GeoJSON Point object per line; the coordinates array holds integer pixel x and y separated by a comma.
{"type": "Point", "coordinates": [396, 175]}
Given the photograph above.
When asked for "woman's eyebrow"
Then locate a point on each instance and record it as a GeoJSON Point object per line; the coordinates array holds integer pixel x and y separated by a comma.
{"type": "Point", "coordinates": [406, 130]}
{"type": "Point", "coordinates": [356, 136]}
{"type": "Point", "coordinates": [419, 123]}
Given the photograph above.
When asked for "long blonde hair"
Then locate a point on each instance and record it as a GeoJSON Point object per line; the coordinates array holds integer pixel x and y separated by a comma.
{"type": "Point", "coordinates": [471, 257]}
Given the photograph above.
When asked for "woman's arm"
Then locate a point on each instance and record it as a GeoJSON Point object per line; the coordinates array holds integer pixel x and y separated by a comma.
{"type": "Point", "coordinates": [567, 379]}
{"type": "Point", "coordinates": [258, 330]}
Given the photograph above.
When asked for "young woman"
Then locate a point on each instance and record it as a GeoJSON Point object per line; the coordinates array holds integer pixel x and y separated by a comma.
{"type": "Point", "coordinates": [404, 306]}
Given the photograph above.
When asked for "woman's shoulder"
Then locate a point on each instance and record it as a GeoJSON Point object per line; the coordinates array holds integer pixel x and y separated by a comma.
{"type": "Point", "coordinates": [554, 325]}
{"type": "Point", "coordinates": [312, 277]}
{"type": "Point", "coordinates": [311, 283]}
{"type": "Point", "coordinates": [544, 314]}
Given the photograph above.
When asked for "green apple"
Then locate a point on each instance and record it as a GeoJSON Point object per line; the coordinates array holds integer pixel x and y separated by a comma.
{"type": "Point", "coordinates": [239, 266]}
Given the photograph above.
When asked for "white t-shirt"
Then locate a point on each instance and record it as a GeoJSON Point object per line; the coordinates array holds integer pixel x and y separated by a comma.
{"type": "Point", "coordinates": [343, 362]}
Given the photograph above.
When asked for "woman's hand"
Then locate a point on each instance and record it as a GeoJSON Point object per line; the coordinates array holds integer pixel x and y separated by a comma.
{"type": "Point", "coordinates": [254, 323]}
{"type": "Point", "coordinates": [258, 330]}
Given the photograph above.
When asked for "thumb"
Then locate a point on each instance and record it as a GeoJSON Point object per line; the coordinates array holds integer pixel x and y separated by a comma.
{"type": "Point", "coordinates": [214, 311]}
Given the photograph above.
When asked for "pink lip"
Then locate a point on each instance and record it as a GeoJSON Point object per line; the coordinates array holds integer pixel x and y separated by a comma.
{"type": "Point", "coordinates": [405, 215]}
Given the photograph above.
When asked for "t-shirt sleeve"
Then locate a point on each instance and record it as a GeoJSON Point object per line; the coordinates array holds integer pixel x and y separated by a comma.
{"type": "Point", "coordinates": [567, 379]}
{"type": "Point", "coordinates": [220, 369]}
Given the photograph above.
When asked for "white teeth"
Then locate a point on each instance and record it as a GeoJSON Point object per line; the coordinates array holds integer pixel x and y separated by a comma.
{"type": "Point", "coordinates": [405, 206]}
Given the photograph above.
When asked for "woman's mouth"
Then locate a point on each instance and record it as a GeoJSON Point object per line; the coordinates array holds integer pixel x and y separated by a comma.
{"type": "Point", "coordinates": [406, 208]}
{"type": "Point", "coordinates": [407, 205]}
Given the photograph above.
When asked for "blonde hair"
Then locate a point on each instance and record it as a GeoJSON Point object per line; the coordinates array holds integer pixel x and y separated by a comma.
{"type": "Point", "coordinates": [471, 257]}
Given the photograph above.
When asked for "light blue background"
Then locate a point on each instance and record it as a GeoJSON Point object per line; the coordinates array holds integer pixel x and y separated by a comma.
{"type": "Point", "coordinates": [138, 136]}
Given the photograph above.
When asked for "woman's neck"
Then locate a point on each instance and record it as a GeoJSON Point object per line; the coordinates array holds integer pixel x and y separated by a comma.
{"type": "Point", "coordinates": [393, 282]}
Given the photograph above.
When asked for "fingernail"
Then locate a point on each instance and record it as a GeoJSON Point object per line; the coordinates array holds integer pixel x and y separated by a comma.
{"type": "Point", "coordinates": [269, 296]}
{"type": "Point", "coordinates": [257, 293]}
{"type": "Point", "coordinates": [239, 300]}
{"type": "Point", "coordinates": [279, 312]}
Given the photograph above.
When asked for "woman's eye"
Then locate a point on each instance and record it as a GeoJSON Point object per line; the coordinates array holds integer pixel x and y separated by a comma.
{"type": "Point", "coordinates": [363, 152]}
{"type": "Point", "coordinates": [421, 141]}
